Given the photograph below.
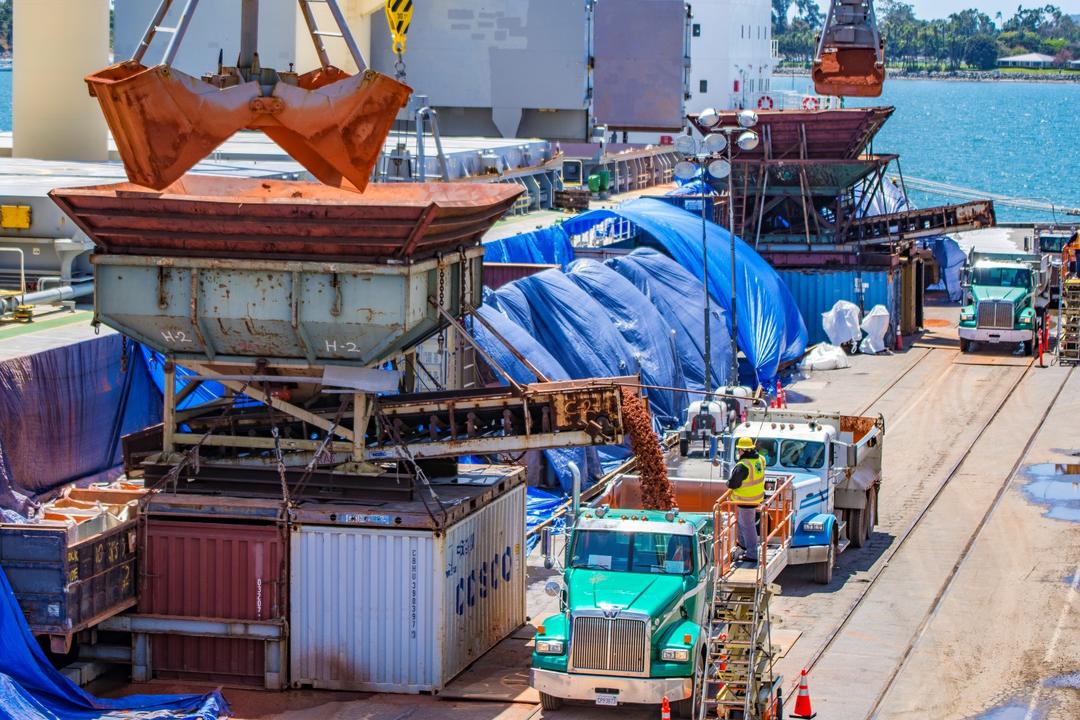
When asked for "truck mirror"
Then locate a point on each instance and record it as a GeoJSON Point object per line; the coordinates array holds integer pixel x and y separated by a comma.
{"type": "Point", "coordinates": [545, 547]}
{"type": "Point", "coordinates": [553, 588]}
{"type": "Point", "coordinates": [846, 455]}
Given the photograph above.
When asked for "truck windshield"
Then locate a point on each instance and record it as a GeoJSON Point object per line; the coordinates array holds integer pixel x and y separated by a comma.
{"type": "Point", "coordinates": [1002, 277]}
{"type": "Point", "coordinates": [639, 552]}
{"type": "Point", "coordinates": [1052, 243]}
{"type": "Point", "coordinates": [802, 454]}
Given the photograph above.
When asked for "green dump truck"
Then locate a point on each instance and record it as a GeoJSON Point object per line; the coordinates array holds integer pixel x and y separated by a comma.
{"type": "Point", "coordinates": [1005, 295]}
{"type": "Point", "coordinates": [634, 599]}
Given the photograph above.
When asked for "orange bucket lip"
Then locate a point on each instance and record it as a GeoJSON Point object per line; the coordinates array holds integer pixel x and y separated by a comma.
{"type": "Point", "coordinates": [164, 121]}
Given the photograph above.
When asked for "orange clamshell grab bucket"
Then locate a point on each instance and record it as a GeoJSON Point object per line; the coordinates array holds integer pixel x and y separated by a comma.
{"type": "Point", "coordinates": [165, 122]}
{"type": "Point", "coordinates": [849, 72]}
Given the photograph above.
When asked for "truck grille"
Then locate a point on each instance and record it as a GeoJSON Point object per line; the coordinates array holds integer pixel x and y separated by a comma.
{"type": "Point", "coordinates": [603, 644]}
{"type": "Point", "coordinates": [996, 314]}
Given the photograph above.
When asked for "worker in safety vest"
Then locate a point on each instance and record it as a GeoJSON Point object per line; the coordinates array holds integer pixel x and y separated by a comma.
{"type": "Point", "coordinates": [747, 483]}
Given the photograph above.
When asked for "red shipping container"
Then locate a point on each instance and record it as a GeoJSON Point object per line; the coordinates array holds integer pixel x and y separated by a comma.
{"type": "Point", "coordinates": [212, 570]}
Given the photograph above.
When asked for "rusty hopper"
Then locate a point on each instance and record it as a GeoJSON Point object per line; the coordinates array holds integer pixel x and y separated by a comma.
{"type": "Point", "coordinates": [196, 272]}
{"type": "Point", "coordinates": [216, 217]}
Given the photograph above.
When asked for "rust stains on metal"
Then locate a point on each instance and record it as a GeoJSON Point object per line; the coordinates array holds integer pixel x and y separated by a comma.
{"type": "Point", "coordinates": [219, 217]}
{"type": "Point", "coordinates": [849, 72]}
{"type": "Point", "coordinates": [165, 121]}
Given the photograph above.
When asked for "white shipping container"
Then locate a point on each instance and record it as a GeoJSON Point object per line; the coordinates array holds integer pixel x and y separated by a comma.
{"type": "Point", "coordinates": [405, 610]}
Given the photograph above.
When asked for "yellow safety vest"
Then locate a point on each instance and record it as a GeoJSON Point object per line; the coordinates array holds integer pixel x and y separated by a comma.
{"type": "Point", "coordinates": [752, 491]}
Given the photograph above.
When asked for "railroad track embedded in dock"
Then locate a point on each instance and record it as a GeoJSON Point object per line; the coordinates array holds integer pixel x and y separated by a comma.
{"type": "Point", "coordinates": [924, 511]}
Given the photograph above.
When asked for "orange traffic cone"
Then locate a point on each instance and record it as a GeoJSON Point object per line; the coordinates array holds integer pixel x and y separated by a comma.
{"type": "Point", "coordinates": [802, 702]}
{"type": "Point", "coordinates": [665, 709]}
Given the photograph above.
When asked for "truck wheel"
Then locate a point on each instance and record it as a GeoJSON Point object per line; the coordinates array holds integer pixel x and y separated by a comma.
{"type": "Point", "coordinates": [862, 521]}
{"type": "Point", "coordinates": [823, 571]}
{"type": "Point", "coordinates": [687, 707]}
{"type": "Point", "coordinates": [684, 447]}
{"type": "Point", "coordinates": [550, 702]}
{"type": "Point", "coordinates": [965, 345]}
{"type": "Point", "coordinates": [1029, 347]}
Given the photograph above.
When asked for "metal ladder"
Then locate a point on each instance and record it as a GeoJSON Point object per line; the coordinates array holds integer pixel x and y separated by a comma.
{"type": "Point", "coordinates": [1068, 331]}
{"type": "Point", "coordinates": [739, 655]}
{"type": "Point", "coordinates": [249, 31]}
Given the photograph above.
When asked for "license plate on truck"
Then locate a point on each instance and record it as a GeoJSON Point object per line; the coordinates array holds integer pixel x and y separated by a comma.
{"type": "Point", "coordinates": [607, 699]}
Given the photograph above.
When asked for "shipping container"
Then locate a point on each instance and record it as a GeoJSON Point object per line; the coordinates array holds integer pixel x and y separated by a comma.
{"type": "Point", "coordinates": [816, 291]}
{"type": "Point", "coordinates": [498, 274]}
{"type": "Point", "coordinates": [209, 569]}
{"type": "Point", "coordinates": [405, 610]}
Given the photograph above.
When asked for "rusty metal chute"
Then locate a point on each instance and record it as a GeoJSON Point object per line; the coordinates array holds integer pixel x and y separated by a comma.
{"type": "Point", "coordinates": [164, 121]}
{"type": "Point", "coordinates": [850, 56]}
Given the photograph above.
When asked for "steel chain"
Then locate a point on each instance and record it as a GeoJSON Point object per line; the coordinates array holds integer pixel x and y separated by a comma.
{"type": "Point", "coordinates": [399, 68]}
{"type": "Point", "coordinates": [280, 462]}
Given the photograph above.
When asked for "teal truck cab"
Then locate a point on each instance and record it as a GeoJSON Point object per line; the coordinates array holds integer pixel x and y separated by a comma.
{"type": "Point", "coordinates": [633, 599]}
{"type": "Point", "coordinates": [1004, 298]}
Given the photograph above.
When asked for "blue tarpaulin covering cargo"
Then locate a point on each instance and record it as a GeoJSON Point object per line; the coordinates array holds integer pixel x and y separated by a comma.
{"type": "Point", "coordinates": [680, 299]}
{"type": "Point", "coordinates": [32, 689]}
{"type": "Point", "coordinates": [545, 246]}
{"type": "Point", "coordinates": [63, 412]}
{"type": "Point", "coordinates": [643, 329]}
{"type": "Point", "coordinates": [771, 331]}
{"type": "Point", "coordinates": [567, 322]}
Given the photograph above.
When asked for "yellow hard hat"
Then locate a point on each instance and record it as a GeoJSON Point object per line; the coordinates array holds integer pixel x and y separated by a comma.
{"type": "Point", "coordinates": [745, 443]}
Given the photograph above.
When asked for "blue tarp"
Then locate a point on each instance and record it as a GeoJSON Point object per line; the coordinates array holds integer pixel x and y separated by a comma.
{"type": "Point", "coordinates": [539, 506]}
{"type": "Point", "coordinates": [512, 302]}
{"type": "Point", "coordinates": [643, 329]}
{"type": "Point", "coordinates": [568, 322]}
{"type": "Point", "coordinates": [692, 187]}
{"type": "Point", "coordinates": [770, 329]}
{"type": "Point", "coordinates": [206, 392]}
{"type": "Point", "coordinates": [544, 246]}
{"type": "Point", "coordinates": [63, 412]}
{"type": "Point", "coordinates": [680, 299]}
{"type": "Point", "coordinates": [32, 689]}
{"type": "Point", "coordinates": [558, 460]}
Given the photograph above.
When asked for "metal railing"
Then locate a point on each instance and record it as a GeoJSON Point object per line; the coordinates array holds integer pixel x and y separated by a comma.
{"type": "Point", "coordinates": [777, 514]}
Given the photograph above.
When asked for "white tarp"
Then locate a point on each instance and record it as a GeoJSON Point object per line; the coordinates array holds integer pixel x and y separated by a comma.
{"type": "Point", "coordinates": [824, 356]}
{"type": "Point", "coordinates": [841, 323]}
{"type": "Point", "coordinates": [875, 325]}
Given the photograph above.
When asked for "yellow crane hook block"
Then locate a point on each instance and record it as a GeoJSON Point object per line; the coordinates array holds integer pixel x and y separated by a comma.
{"type": "Point", "coordinates": [398, 17]}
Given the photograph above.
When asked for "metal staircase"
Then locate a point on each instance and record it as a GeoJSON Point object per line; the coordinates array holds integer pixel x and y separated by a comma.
{"type": "Point", "coordinates": [1068, 347]}
{"type": "Point", "coordinates": [738, 682]}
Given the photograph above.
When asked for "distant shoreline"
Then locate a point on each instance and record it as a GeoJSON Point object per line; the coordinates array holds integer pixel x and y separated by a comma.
{"type": "Point", "coordinates": [988, 76]}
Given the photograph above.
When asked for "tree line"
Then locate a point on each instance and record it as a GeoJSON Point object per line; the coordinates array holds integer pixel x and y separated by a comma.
{"type": "Point", "coordinates": [967, 39]}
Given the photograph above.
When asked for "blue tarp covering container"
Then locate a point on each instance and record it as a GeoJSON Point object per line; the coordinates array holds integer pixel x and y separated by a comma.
{"type": "Point", "coordinates": [567, 321]}
{"type": "Point", "coordinates": [680, 299]}
{"type": "Point", "coordinates": [545, 246]}
{"type": "Point", "coordinates": [771, 331]}
{"type": "Point", "coordinates": [816, 291]}
{"type": "Point", "coordinates": [644, 330]}
{"type": "Point", "coordinates": [32, 689]}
